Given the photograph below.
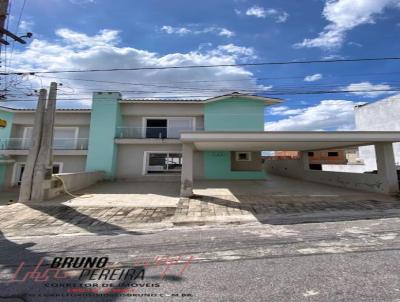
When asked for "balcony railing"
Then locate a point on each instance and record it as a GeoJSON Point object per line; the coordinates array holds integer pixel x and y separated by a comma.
{"type": "Point", "coordinates": [152, 132]}
{"type": "Point", "coordinates": [58, 144]}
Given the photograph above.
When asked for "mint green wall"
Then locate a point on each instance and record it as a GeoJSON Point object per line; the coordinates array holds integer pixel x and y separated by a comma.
{"type": "Point", "coordinates": [235, 114]}
{"type": "Point", "coordinates": [105, 117]}
{"type": "Point", "coordinates": [5, 133]}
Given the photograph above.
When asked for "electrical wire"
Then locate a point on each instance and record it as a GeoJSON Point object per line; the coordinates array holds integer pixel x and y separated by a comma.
{"type": "Point", "coordinates": [204, 66]}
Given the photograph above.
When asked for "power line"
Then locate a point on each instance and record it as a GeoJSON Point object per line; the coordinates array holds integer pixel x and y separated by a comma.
{"type": "Point", "coordinates": [212, 95]}
{"type": "Point", "coordinates": [203, 66]}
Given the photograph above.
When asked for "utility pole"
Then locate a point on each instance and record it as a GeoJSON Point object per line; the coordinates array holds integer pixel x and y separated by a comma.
{"type": "Point", "coordinates": [44, 168]}
{"type": "Point", "coordinates": [3, 17]}
{"type": "Point", "coordinates": [4, 31]}
{"type": "Point", "coordinates": [27, 177]}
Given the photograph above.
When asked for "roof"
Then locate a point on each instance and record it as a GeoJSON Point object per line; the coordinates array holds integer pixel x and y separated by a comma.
{"type": "Point", "coordinates": [10, 109]}
{"type": "Point", "coordinates": [285, 140]}
{"type": "Point", "coordinates": [267, 100]}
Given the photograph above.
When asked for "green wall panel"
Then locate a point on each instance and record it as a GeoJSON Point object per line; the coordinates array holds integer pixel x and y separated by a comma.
{"type": "Point", "coordinates": [105, 118]}
{"type": "Point", "coordinates": [235, 114]}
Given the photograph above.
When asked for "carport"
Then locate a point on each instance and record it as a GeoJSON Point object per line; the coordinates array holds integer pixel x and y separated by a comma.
{"type": "Point", "coordinates": [385, 181]}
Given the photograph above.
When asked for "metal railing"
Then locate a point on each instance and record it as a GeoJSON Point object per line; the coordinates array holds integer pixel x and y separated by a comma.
{"type": "Point", "coordinates": [58, 144]}
{"type": "Point", "coordinates": [152, 132]}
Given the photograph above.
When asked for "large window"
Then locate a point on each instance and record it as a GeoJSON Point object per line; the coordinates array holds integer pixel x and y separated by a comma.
{"type": "Point", "coordinates": [163, 162]}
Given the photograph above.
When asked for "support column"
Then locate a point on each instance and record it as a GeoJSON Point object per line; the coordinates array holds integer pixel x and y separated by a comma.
{"type": "Point", "coordinates": [386, 167]}
{"type": "Point", "coordinates": [305, 160]}
{"type": "Point", "coordinates": [187, 171]}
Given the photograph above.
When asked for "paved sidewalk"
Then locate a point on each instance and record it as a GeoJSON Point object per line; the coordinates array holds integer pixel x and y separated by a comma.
{"type": "Point", "coordinates": [123, 207]}
{"type": "Point", "coordinates": [54, 218]}
{"type": "Point", "coordinates": [281, 209]}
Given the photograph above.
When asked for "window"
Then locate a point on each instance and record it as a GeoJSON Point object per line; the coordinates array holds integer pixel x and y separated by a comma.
{"type": "Point", "coordinates": [163, 162]}
{"type": "Point", "coordinates": [333, 154]}
{"type": "Point", "coordinates": [167, 127]}
{"type": "Point", "coordinates": [310, 154]}
{"type": "Point", "coordinates": [156, 128]}
{"type": "Point", "coordinates": [65, 138]}
{"type": "Point", "coordinates": [243, 156]}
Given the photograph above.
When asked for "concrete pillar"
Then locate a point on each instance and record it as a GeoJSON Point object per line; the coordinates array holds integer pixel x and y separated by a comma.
{"type": "Point", "coordinates": [304, 160]}
{"type": "Point", "coordinates": [386, 167]}
{"type": "Point", "coordinates": [187, 171]}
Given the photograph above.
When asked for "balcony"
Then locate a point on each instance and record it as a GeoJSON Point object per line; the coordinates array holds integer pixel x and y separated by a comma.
{"type": "Point", "coordinates": [152, 132]}
{"type": "Point", "coordinates": [58, 144]}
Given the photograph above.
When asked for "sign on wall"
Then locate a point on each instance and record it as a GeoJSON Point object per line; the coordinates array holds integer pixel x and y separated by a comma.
{"type": "Point", "coordinates": [3, 123]}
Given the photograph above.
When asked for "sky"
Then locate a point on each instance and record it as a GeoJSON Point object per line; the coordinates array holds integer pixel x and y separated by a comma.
{"type": "Point", "coordinates": [87, 34]}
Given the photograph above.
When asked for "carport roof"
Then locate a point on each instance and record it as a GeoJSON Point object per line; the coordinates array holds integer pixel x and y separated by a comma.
{"type": "Point", "coordinates": [285, 141]}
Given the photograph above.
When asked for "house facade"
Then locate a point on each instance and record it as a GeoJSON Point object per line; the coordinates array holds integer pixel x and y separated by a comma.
{"type": "Point", "coordinates": [138, 139]}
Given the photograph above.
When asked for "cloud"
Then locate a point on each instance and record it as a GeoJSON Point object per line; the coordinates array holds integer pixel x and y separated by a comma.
{"type": "Point", "coordinates": [76, 50]}
{"type": "Point", "coordinates": [284, 110]}
{"type": "Point", "coordinates": [25, 26]}
{"type": "Point", "coordinates": [104, 38]}
{"type": "Point", "coordinates": [260, 12]}
{"type": "Point", "coordinates": [256, 11]}
{"type": "Point", "coordinates": [226, 32]}
{"type": "Point", "coordinates": [327, 115]}
{"type": "Point", "coordinates": [237, 50]}
{"type": "Point", "coordinates": [343, 16]}
{"type": "Point", "coordinates": [366, 89]}
{"type": "Point", "coordinates": [197, 30]}
{"type": "Point", "coordinates": [313, 78]}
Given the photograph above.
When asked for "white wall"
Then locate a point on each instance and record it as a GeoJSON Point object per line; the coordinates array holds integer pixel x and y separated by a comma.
{"type": "Point", "coordinates": [383, 115]}
{"type": "Point", "coordinates": [295, 169]}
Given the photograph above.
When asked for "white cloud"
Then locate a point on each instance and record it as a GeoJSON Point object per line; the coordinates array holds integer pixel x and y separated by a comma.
{"type": "Point", "coordinates": [327, 115]}
{"type": "Point", "coordinates": [196, 30]}
{"type": "Point", "coordinates": [75, 50]}
{"type": "Point", "coordinates": [366, 89]}
{"type": "Point", "coordinates": [260, 12]}
{"type": "Point", "coordinates": [175, 30]}
{"type": "Point", "coordinates": [284, 110]}
{"type": "Point", "coordinates": [344, 15]}
{"type": "Point", "coordinates": [25, 26]}
{"type": "Point", "coordinates": [226, 32]}
{"type": "Point", "coordinates": [237, 50]}
{"type": "Point", "coordinates": [104, 38]}
{"type": "Point", "coordinates": [313, 77]}
{"type": "Point", "coordinates": [256, 11]}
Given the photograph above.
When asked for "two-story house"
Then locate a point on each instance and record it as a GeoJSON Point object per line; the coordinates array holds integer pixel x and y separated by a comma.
{"type": "Point", "coordinates": [132, 139]}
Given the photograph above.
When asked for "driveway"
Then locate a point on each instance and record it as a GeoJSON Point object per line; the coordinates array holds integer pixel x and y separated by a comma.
{"type": "Point", "coordinates": [124, 207]}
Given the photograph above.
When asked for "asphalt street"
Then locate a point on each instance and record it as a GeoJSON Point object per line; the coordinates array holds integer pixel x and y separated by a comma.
{"type": "Point", "coordinates": [332, 261]}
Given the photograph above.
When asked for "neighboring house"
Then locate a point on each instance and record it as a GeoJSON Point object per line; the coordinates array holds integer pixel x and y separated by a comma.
{"type": "Point", "coordinates": [382, 115]}
{"type": "Point", "coordinates": [138, 138]}
{"type": "Point", "coordinates": [70, 142]}
{"type": "Point", "coordinates": [334, 156]}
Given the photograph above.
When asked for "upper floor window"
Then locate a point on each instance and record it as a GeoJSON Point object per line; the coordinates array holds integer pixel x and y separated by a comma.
{"type": "Point", "coordinates": [167, 127]}
{"type": "Point", "coordinates": [64, 137]}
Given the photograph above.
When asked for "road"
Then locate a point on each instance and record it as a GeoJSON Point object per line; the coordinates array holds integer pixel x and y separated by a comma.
{"type": "Point", "coordinates": [331, 261]}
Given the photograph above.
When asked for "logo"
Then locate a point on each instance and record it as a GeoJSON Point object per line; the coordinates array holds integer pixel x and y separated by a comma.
{"type": "Point", "coordinates": [3, 123]}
